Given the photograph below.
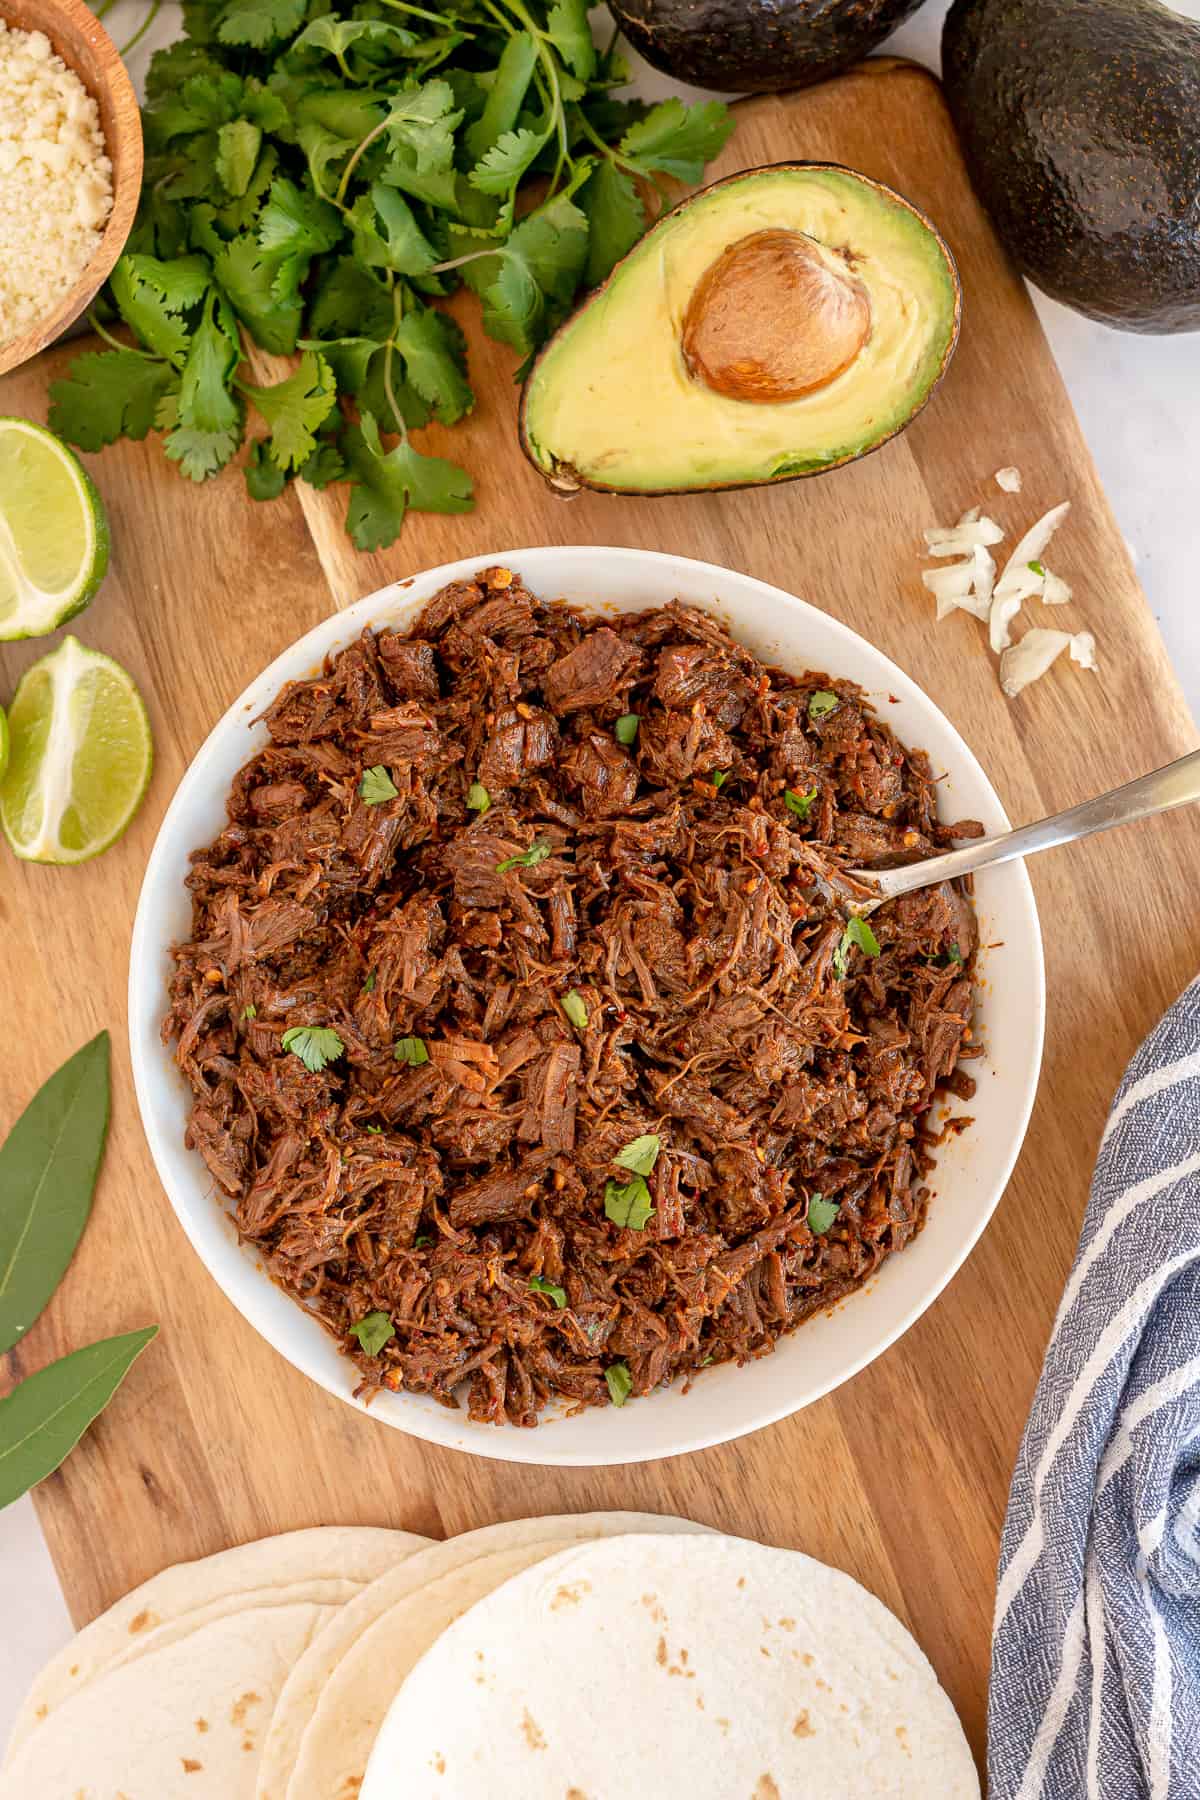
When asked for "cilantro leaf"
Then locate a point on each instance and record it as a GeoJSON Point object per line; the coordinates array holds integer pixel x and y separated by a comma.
{"type": "Point", "coordinates": [334, 36]}
{"type": "Point", "coordinates": [386, 233]}
{"type": "Point", "coordinates": [297, 224]}
{"type": "Point", "coordinates": [499, 171]}
{"type": "Point", "coordinates": [857, 935]}
{"type": "Point", "coordinates": [641, 1155]}
{"type": "Point", "coordinates": [540, 1285]}
{"type": "Point", "coordinates": [348, 357]}
{"type": "Point", "coordinates": [626, 728]}
{"type": "Point", "coordinates": [539, 269]}
{"type": "Point", "coordinates": [247, 275]}
{"type": "Point", "coordinates": [575, 1007]}
{"type": "Point", "coordinates": [211, 417]}
{"type": "Point", "coordinates": [373, 1331]}
{"type": "Point", "coordinates": [142, 305]}
{"type": "Point", "coordinates": [180, 284]}
{"type": "Point", "coordinates": [295, 408]}
{"type": "Point", "coordinates": [387, 484]}
{"type": "Point", "coordinates": [620, 1382]}
{"type": "Point", "coordinates": [238, 145]}
{"type": "Point", "coordinates": [822, 703]}
{"type": "Point", "coordinates": [630, 1205]}
{"type": "Point", "coordinates": [315, 1045]}
{"type": "Point", "coordinates": [478, 798]}
{"type": "Point", "coordinates": [615, 215]}
{"type": "Point", "coordinates": [108, 394]}
{"type": "Point", "coordinates": [537, 852]}
{"type": "Point", "coordinates": [265, 480]}
{"type": "Point", "coordinates": [434, 353]}
{"type": "Point", "coordinates": [508, 88]}
{"type": "Point", "coordinates": [411, 1050]}
{"type": "Point", "coordinates": [377, 786]}
{"type": "Point", "coordinates": [800, 804]}
{"type": "Point", "coordinates": [569, 32]}
{"type": "Point", "coordinates": [821, 1214]}
{"type": "Point", "coordinates": [424, 120]}
{"type": "Point", "coordinates": [260, 22]}
{"type": "Point", "coordinates": [325, 464]}
{"type": "Point", "coordinates": [674, 139]}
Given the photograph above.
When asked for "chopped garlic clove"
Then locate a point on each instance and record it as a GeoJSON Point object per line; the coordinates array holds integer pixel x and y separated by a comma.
{"type": "Point", "coordinates": [1055, 591]}
{"type": "Point", "coordinates": [984, 578]}
{"type": "Point", "coordinates": [1083, 649]}
{"type": "Point", "coordinates": [1002, 612]}
{"type": "Point", "coordinates": [1028, 659]}
{"type": "Point", "coordinates": [961, 539]}
{"type": "Point", "coordinates": [1016, 572]}
{"type": "Point", "coordinates": [1009, 479]}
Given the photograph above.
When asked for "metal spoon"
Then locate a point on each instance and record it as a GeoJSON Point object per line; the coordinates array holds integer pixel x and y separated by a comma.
{"type": "Point", "coordinates": [1158, 792]}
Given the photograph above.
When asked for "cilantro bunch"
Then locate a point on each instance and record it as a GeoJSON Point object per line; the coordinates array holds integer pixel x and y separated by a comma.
{"type": "Point", "coordinates": [316, 181]}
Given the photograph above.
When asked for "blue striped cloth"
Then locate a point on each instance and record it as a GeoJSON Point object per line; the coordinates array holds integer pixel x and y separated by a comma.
{"type": "Point", "coordinates": [1095, 1691]}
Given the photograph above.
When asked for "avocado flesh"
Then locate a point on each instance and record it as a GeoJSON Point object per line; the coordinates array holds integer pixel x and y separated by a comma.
{"type": "Point", "coordinates": [610, 402]}
{"type": "Point", "coordinates": [1081, 128]}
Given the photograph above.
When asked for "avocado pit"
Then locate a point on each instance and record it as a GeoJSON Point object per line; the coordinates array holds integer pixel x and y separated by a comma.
{"type": "Point", "coordinates": [769, 321]}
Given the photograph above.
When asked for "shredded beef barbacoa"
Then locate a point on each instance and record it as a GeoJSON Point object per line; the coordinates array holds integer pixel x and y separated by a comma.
{"type": "Point", "coordinates": [684, 887]}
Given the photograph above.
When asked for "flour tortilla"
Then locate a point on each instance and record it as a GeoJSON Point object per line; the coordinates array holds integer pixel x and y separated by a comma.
{"type": "Point", "coordinates": [661, 1667]}
{"type": "Point", "coordinates": [182, 1723]}
{"type": "Point", "coordinates": [338, 1693]}
{"type": "Point", "coordinates": [327, 1566]}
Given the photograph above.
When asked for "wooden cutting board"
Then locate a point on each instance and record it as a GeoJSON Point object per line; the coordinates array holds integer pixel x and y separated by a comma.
{"type": "Point", "coordinates": [902, 1476]}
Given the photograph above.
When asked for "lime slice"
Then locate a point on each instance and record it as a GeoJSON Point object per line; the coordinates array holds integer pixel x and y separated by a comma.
{"type": "Point", "coordinates": [80, 756]}
{"type": "Point", "coordinates": [53, 532]}
{"type": "Point", "coordinates": [3, 743]}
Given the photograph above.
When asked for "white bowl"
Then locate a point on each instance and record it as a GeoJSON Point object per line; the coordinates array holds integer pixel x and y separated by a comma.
{"type": "Point", "coordinates": [972, 1169]}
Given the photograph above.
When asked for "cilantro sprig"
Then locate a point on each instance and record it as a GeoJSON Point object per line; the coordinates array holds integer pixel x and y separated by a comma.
{"type": "Point", "coordinates": [317, 184]}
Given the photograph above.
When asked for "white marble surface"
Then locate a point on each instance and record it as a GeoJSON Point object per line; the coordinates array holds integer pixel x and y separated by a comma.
{"type": "Point", "coordinates": [1139, 403]}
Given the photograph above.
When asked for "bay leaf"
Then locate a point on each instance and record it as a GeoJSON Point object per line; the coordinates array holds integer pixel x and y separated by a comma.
{"type": "Point", "coordinates": [45, 1416]}
{"type": "Point", "coordinates": [48, 1168]}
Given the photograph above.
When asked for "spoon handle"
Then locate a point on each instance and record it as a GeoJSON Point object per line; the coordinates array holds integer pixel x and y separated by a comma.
{"type": "Point", "coordinates": [1163, 789]}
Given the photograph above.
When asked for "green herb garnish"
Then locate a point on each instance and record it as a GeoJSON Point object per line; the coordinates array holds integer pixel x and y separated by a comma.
{"type": "Point", "coordinates": [800, 804]}
{"type": "Point", "coordinates": [821, 1214]}
{"type": "Point", "coordinates": [954, 954]}
{"type": "Point", "coordinates": [719, 778]}
{"type": "Point", "coordinates": [626, 728]}
{"type": "Point", "coordinates": [629, 1205]}
{"type": "Point", "coordinates": [641, 1155]}
{"type": "Point", "coordinates": [541, 1286]}
{"type": "Point", "coordinates": [821, 703]}
{"type": "Point", "coordinates": [315, 1045]}
{"type": "Point", "coordinates": [373, 1332]}
{"type": "Point", "coordinates": [575, 1007]}
{"type": "Point", "coordinates": [421, 1240]}
{"type": "Point", "coordinates": [857, 935]}
{"type": "Point", "coordinates": [537, 852]}
{"type": "Point", "coordinates": [620, 1382]}
{"type": "Point", "coordinates": [478, 798]}
{"type": "Point", "coordinates": [376, 1129]}
{"type": "Point", "coordinates": [249, 1011]}
{"type": "Point", "coordinates": [369, 984]}
{"type": "Point", "coordinates": [318, 184]}
{"type": "Point", "coordinates": [377, 786]}
{"type": "Point", "coordinates": [411, 1050]}
{"type": "Point", "coordinates": [1038, 568]}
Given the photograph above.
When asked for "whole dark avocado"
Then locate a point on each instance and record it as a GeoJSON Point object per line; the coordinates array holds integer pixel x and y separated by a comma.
{"type": "Point", "coordinates": [757, 46]}
{"type": "Point", "coordinates": [1081, 125]}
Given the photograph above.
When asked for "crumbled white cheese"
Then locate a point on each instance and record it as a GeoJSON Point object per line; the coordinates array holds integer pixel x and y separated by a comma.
{"type": "Point", "coordinates": [55, 180]}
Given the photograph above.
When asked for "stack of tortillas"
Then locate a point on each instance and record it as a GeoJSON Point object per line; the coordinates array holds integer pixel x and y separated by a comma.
{"type": "Point", "coordinates": [588, 1657]}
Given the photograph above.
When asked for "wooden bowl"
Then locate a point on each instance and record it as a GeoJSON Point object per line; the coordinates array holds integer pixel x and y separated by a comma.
{"type": "Point", "coordinates": [85, 46]}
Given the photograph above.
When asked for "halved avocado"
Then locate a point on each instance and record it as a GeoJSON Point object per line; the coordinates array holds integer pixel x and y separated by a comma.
{"type": "Point", "coordinates": [777, 324]}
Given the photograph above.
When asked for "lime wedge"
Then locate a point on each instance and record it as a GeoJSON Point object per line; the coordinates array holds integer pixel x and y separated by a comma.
{"type": "Point", "coordinates": [53, 532]}
{"type": "Point", "coordinates": [80, 756]}
{"type": "Point", "coordinates": [3, 743]}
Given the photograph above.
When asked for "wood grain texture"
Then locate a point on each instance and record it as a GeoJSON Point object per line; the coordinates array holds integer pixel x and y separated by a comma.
{"type": "Point", "coordinates": [901, 1477]}
{"type": "Point", "coordinates": [84, 45]}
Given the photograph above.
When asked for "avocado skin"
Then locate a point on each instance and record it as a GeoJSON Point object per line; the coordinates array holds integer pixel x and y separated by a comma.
{"type": "Point", "coordinates": [757, 46]}
{"type": "Point", "coordinates": [1081, 125]}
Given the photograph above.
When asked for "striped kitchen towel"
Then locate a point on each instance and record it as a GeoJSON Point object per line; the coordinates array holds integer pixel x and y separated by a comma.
{"type": "Point", "coordinates": [1095, 1687]}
